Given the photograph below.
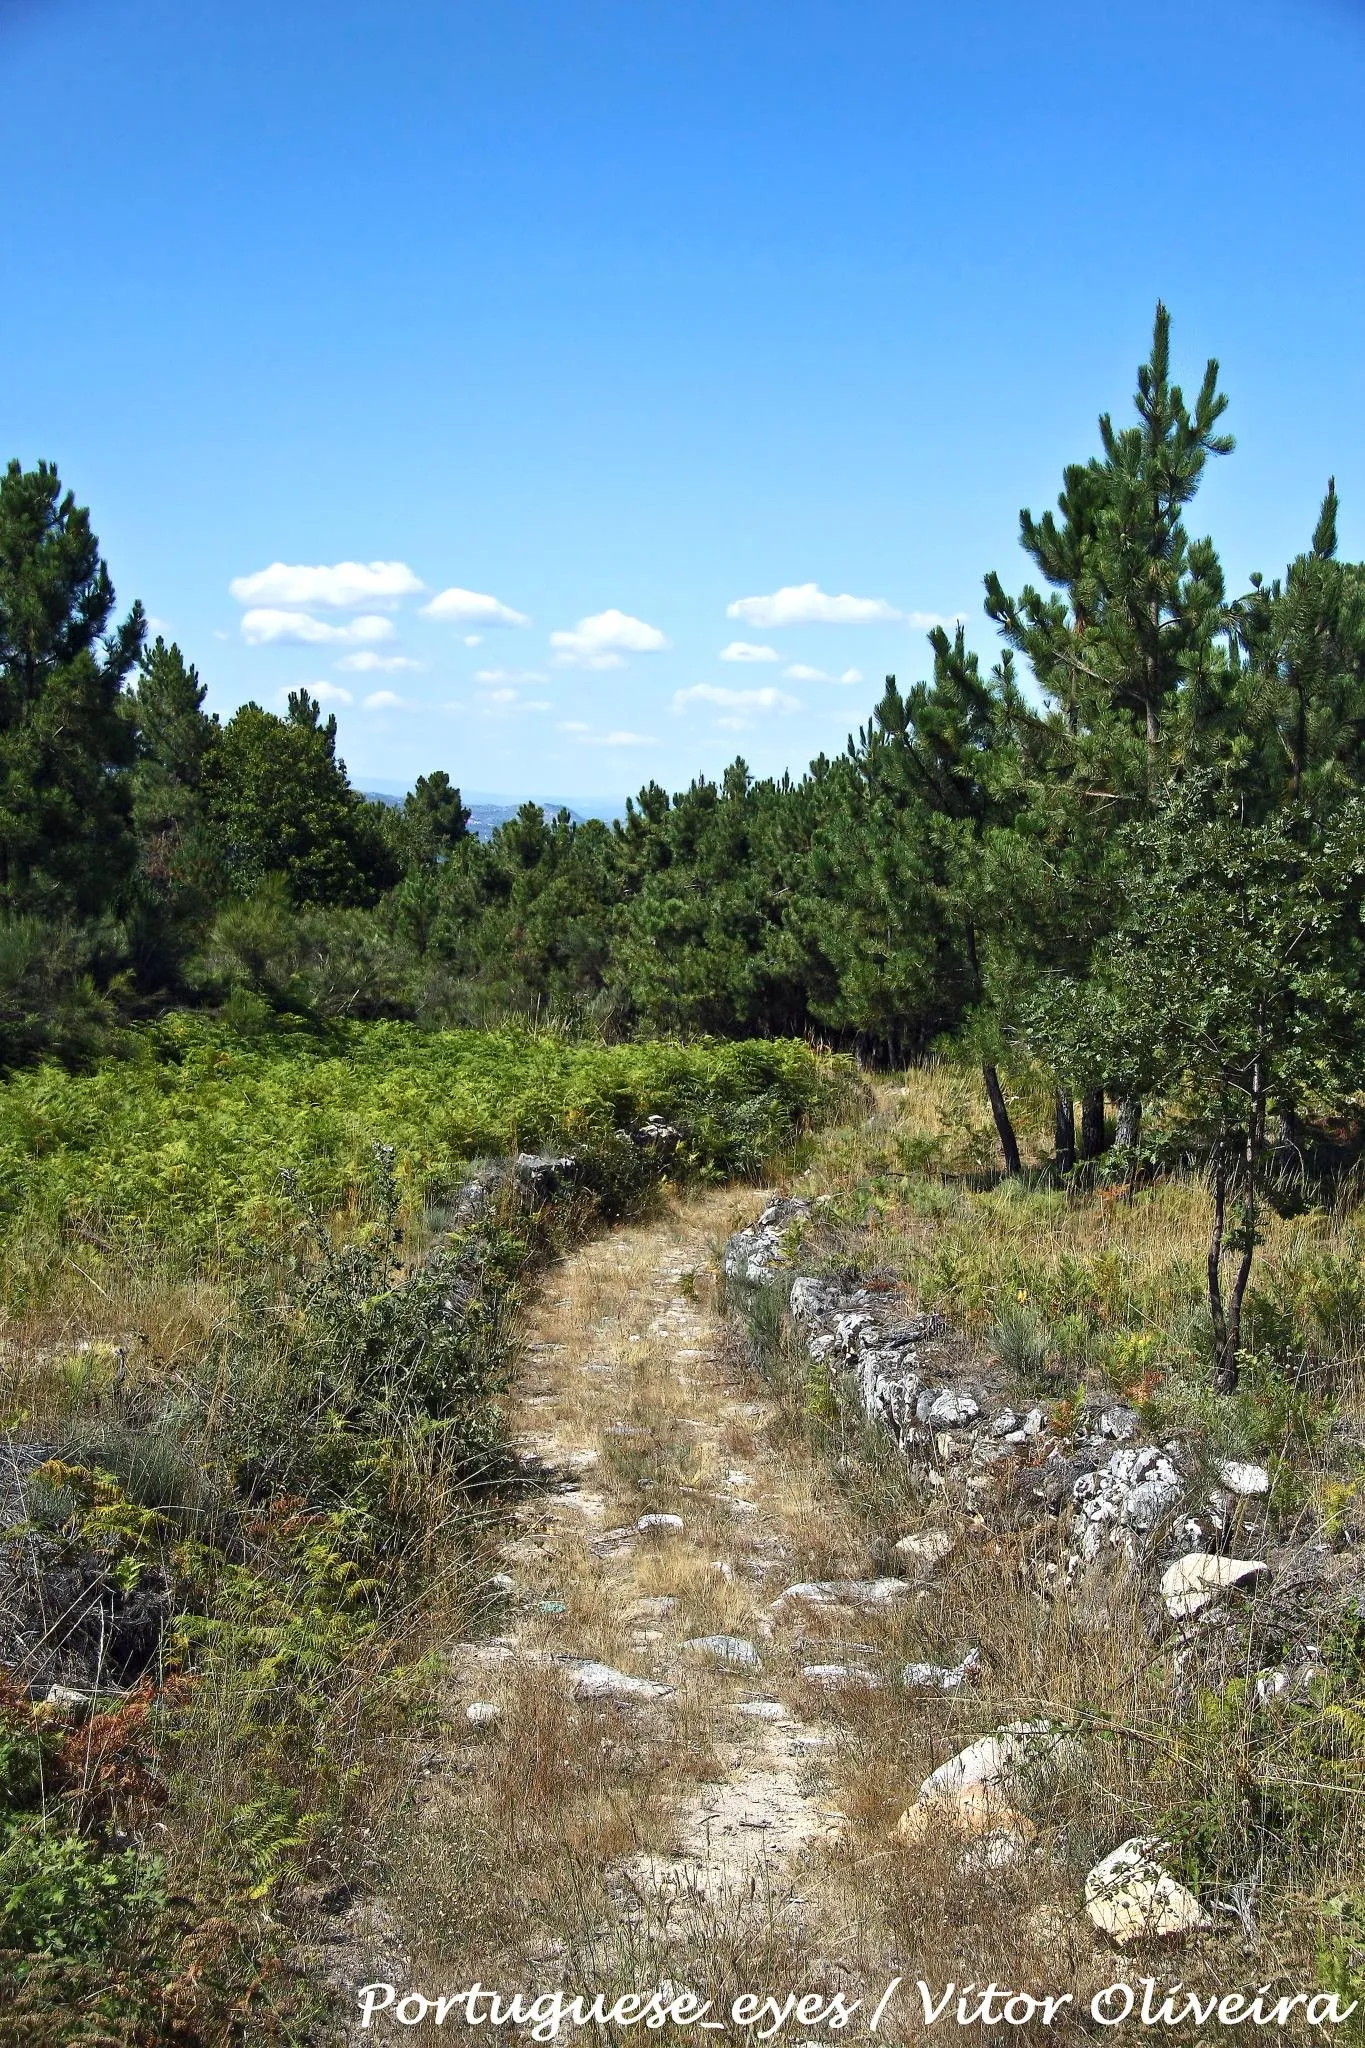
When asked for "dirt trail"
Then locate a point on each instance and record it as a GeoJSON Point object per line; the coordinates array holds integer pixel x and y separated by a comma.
{"type": "Point", "coordinates": [634, 1402]}
{"type": "Point", "coordinates": [636, 1789]}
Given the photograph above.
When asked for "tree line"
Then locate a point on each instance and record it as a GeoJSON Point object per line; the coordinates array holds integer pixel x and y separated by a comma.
{"type": "Point", "coordinates": [1130, 853]}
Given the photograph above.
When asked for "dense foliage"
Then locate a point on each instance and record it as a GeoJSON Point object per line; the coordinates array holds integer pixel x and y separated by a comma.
{"type": "Point", "coordinates": [184, 1141]}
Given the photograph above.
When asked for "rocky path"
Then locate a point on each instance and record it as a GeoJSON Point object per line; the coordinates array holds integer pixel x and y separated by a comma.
{"type": "Point", "coordinates": [641, 1583]}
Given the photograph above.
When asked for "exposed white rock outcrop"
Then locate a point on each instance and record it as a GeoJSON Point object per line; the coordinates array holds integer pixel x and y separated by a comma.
{"type": "Point", "coordinates": [1194, 1582]}
{"type": "Point", "coordinates": [1121, 1504]}
{"type": "Point", "coordinates": [1130, 1897]}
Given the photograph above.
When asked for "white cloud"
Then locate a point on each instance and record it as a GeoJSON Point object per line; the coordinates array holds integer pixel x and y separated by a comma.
{"type": "Point", "coordinates": [735, 700]}
{"type": "Point", "coordinates": [367, 661]}
{"type": "Point", "coordinates": [745, 650]}
{"type": "Point", "coordinates": [387, 700]}
{"type": "Point", "coordinates": [805, 604]}
{"type": "Point", "coordinates": [471, 608]}
{"type": "Point", "coordinates": [509, 675]}
{"type": "Point", "coordinates": [586, 737]}
{"type": "Point", "coordinates": [506, 701]}
{"type": "Point", "coordinates": [799, 673]}
{"type": "Point", "coordinates": [596, 642]}
{"type": "Point", "coordinates": [261, 627]}
{"type": "Point", "coordinates": [473, 639]}
{"type": "Point", "coordinates": [326, 693]}
{"type": "Point", "coordinates": [340, 587]}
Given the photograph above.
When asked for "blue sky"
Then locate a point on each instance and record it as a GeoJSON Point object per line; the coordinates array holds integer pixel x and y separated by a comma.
{"type": "Point", "coordinates": [619, 315]}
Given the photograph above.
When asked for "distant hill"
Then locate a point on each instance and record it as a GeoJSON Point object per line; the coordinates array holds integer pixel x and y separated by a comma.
{"type": "Point", "coordinates": [484, 818]}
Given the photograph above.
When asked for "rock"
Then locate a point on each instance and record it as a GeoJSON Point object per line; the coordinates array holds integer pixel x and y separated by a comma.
{"type": "Point", "coordinates": [837, 1677]}
{"type": "Point", "coordinates": [758, 1254]}
{"type": "Point", "coordinates": [657, 1137]}
{"type": "Point", "coordinates": [975, 1809]}
{"type": "Point", "coordinates": [662, 1525]}
{"type": "Point", "coordinates": [1270, 1684]}
{"type": "Point", "coordinates": [844, 1592]}
{"type": "Point", "coordinates": [67, 1699]}
{"type": "Point", "coordinates": [482, 1713]}
{"type": "Point", "coordinates": [595, 1681]}
{"type": "Point", "coordinates": [1118, 1422]}
{"type": "Point", "coordinates": [929, 1547]}
{"type": "Point", "coordinates": [499, 1582]}
{"type": "Point", "coordinates": [1013, 1760]}
{"type": "Point", "coordinates": [762, 1710]}
{"type": "Point", "coordinates": [1246, 1481]}
{"type": "Point", "coordinates": [1193, 1582]}
{"type": "Point", "coordinates": [1121, 1503]}
{"type": "Point", "coordinates": [1129, 1896]}
{"type": "Point", "coordinates": [1006, 1423]}
{"type": "Point", "coordinates": [808, 1298]}
{"type": "Point", "coordinates": [952, 1411]}
{"type": "Point", "coordinates": [941, 1677]}
{"type": "Point", "coordinates": [736, 1651]}
{"type": "Point", "coordinates": [543, 1175]}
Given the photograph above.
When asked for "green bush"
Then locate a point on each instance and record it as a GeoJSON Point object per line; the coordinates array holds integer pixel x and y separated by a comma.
{"type": "Point", "coordinates": [182, 1143]}
{"type": "Point", "coordinates": [63, 1894]}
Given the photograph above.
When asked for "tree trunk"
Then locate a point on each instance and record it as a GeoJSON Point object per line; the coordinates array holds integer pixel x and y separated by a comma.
{"type": "Point", "coordinates": [1288, 1152]}
{"type": "Point", "coordinates": [1092, 1123]}
{"type": "Point", "coordinates": [1064, 1131]}
{"type": "Point", "coordinates": [1224, 1360]}
{"type": "Point", "coordinates": [1129, 1122]}
{"type": "Point", "coordinates": [1009, 1144]}
{"type": "Point", "coordinates": [1227, 1322]}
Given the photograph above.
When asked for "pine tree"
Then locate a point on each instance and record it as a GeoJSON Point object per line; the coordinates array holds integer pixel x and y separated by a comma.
{"type": "Point", "coordinates": [173, 738]}
{"type": "Point", "coordinates": [436, 817]}
{"type": "Point", "coordinates": [65, 747]}
{"type": "Point", "coordinates": [1134, 624]}
{"type": "Point", "coordinates": [278, 802]}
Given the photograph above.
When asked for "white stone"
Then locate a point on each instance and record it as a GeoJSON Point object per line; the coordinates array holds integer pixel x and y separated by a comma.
{"type": "Point", "coordinates": [1244, 1480]}
{"type": "Point", "coordinates": [736, 1651]}
{"type": "Point", "coordinates": [482, 1713]}
{"type": "Point", "coordinates": [762, 1710]}
{"type": "Point", "coordinates": [941, 1677]}
{"type": "Point", "coordinates": [1190, 1584]}
{"type": "Point", "coordinates": [952, 1411]}
{"type": "Point", "coordinates": [1010, 1759]}
{"type": "Point", "coordinates": [1118, 1423]}
{"type": "Point", "coordinates": [1270, 1684]}
{"type": "Point", "coordinates": [833, 1677]}
{"type": "Point", "coordinates": [1123, 1502]}
{"type": "Point", "coordinates": [595, 1681]}
{"type": "Point", "coordinates": [666, 1525]}
{"type": "Point", "coordinates": [844, 1592]}
{"type": "Point", "coordinates": [66, 1699]}
{"type": "Point", "coordinates": [1129, 1896]}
